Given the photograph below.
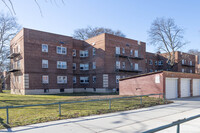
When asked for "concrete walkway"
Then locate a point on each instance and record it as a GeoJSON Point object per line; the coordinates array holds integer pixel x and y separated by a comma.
{"type": "Point", "coordinates": [124, 122]}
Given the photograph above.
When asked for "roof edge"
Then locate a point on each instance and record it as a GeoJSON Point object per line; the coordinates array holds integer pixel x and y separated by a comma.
{"type": "Point", "coordinates": [141, 75]}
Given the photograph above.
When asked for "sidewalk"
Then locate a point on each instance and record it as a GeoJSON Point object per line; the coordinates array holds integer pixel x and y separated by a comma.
{"type": "Point", "coordinates": [124, 122]}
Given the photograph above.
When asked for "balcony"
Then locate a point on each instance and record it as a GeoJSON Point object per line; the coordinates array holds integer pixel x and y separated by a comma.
{"type": "Point", "coordinates": [188, 65]}
{"type": "Point", "coordinates": [13, 55]}
{"type": "Point", "coordinates": [130, 70]}
{"type": "Point", "coordinates": [14, 69]}
{"type": "Point", "coordinates": [131, 57]}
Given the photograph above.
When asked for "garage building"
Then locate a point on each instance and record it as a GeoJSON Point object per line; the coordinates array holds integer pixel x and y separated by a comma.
{"type": "Point", "coordinates": [171, 84]}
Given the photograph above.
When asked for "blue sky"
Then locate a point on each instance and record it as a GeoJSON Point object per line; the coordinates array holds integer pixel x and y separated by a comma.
{"type": "Point", "coordinates": [132, 17]}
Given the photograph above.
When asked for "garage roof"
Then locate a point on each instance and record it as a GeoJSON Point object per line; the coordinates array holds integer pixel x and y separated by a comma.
{"type": "Point", "coordinates": [141, 75]}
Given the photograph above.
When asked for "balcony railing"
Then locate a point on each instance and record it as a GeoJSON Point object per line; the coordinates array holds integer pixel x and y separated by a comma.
{"type": "Point", "coordinates": [13, 55]}
{"type": "Point", "coordinates": [128, 70]}
{"type": "Point", "coordinates": [14, 69]}
{"type": "Point", "coordinates": [188, 65]}
{"type": "Point", "coordinates": [131, 57]}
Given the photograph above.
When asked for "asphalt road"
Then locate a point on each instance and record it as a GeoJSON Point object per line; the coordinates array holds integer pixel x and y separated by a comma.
{"type": "Point", "coordinates": [134, 121]}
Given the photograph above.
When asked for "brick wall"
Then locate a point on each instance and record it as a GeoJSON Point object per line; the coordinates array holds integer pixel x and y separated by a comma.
{"type": "Point", "coordinates": [143, 85]}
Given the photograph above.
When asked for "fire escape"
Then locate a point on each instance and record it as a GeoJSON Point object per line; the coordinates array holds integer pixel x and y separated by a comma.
{"type": "Point", "coordinates": [131, 64]}
{"type": "Point", "coordinates": [15, 66]}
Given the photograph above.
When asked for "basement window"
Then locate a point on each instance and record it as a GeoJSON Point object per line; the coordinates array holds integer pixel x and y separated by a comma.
{"type": "Point", "coordinates": [46, 90]}
{"type": "Point", "coordinates": [62, 90]}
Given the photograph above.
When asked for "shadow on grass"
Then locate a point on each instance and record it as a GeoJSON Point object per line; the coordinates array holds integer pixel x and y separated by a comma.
{"type": "Point", "coordinates": [84, 94]}
{"type": "Point", "coordinates": [4, 124]}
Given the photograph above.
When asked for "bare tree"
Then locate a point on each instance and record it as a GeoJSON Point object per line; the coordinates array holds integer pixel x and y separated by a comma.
{"type": "Point", "coordinates": [85, 33]}
{"type": "Point", "coordinates": [194, 51]}
{"type": "Point", "coordinates": [10, 6]}
{"type": "Point", "coordinates": [8, 29]}
{"type": "Point", "coordinates": [165, 34]}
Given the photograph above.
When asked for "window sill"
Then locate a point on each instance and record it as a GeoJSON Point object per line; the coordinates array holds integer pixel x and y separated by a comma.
{"type": "Point", "coordinates": [62, 54]}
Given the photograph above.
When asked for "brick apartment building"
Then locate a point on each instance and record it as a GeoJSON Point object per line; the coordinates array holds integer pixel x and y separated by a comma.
{"type": "Point", "coordinates": [184, 62]}
{"type": "Point", "coordinates": [46, 63]}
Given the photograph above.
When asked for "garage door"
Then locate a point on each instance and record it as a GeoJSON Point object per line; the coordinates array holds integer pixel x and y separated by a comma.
{"type": "Point", "coordinates": [196, 87]}
{"type": "Point", "coordinates": [171, 88]}
{"type": "Point", "coordinates": [185, 87]}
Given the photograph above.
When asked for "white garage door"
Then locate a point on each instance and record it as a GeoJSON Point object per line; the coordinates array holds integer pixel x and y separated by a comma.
{"type": "Point", "coordinates": [196, 87]}
{"type": "Point", "coordinates": [171, 88]}
{"type": "Point", "coordinates": [185, 87]}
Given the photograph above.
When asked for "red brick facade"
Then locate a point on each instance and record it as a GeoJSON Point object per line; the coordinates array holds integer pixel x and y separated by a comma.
{"type": "Point", "coordinates": [108, 58]}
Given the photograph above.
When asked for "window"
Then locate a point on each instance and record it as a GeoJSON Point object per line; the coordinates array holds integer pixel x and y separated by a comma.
{"type": "Point", "coordinates": [131, 52]}
{"type": "Point", "coordinates": [45, 79]}
{"type": "Point", "coordinates": [190, 70]}
{"type": "Point", "coordinates": [46, 90]}
{"type": "Point", "coordinates": [117, 50]}
{"type": "Point", "coordinates": [83, 53]}
{"type": "Point", "coordinates": [156, 63]}
{"type": "Point", "coordinates": [74, 66]}
{"type": "Point", "coordinates": [74, 79]}
{"type": "Point", "coordinates": [123, 65]}
{"type": "Point", "coordinates": [61, 50]}
{"type": "Point", "coordinates": [94, 51]}
{"type": "Point", "coordinates": [61, 65]}
{"type": "Point", "coordinates": [74, 52]}
{"type": "Point", "coordinates": [62, 90]}
{"type": "Point", "coordinates": [123, 51]}
{"type": "Point", "coordinates": [145, 60]}
{"type": "Point", "coordinates": [131, 65]}
{"type": "Point", "coordinates": [94, 65]}
{"type": "Point", "coordinates": [18, 49]}
{"type": "Point", "coordinates": [44, 63]}
{"type": "Point", "coordinates": [136, 66]}
{"type": "Point", "coordinates": [150, 62]}
{"type": "Point", "coordinates": [117, 64]}
{"type": "Point", "coordinates": [94, 79]}
{"type": "Point", "coordinates": [19, 79]}
{"type": "Point", "coordinates": [44, 48]}
{"type": "Point", "coordinates": [183, 62]}
{"type": "Point", "coordinates": [150, 70]}
{"type": "Point", "coordinates": [160, 63]}
{"type": "Point", "coordinates": [190, 63]}
{"type": "Point", "coordinates": [84, 80]}
{"type": "Point", "coordinates": [84, 66]}
{"type": "Point", "coordinates": [18, 64]}
{"type": "Point", "coordinates": [62, 79]}
{"type": "Point", "coordinates": [183, 70]}
{"type": "Point", "coordinates": [117, 78]}
{"type": "Point", "coordinates": [136, 53]}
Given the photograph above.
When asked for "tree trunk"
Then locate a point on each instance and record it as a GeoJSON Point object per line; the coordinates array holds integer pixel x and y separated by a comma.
{"type": "Point", "coordinates": [1, 90]}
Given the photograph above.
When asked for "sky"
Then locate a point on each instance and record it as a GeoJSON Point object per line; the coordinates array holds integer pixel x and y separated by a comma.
{"type": "Point", "coordinates": [132, 17]}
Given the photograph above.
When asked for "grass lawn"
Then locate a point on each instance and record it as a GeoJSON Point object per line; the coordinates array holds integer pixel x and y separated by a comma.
{"type": "Point", "coordinates": [31, 115]}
